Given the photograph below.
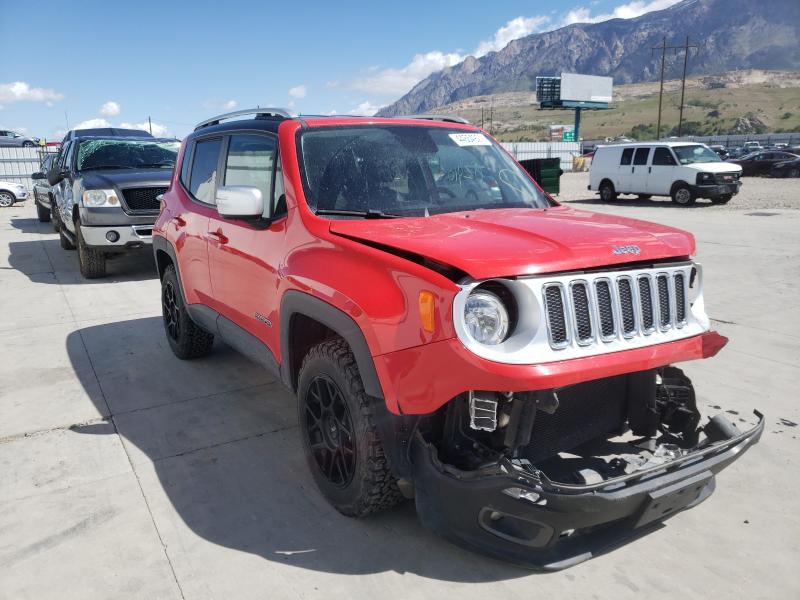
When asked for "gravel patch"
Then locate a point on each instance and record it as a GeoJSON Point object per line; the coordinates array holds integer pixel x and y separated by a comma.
{"type": "Point", "coordinates": [757, 193]}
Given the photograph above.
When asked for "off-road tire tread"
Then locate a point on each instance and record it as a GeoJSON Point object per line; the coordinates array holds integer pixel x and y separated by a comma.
{"type": "Point", "coordinates": [92, 262]}
{"type": "Point", "coordinates": [195, 341]}
{"type": "Point", "coordinates": [381, 488]}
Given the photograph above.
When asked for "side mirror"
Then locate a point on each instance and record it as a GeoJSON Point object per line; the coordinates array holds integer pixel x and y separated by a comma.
{"type": "Point", "coordinates": [240, 202]}
{"type": "Point", "coordinates": [54, 177]}
{"type": "Point", "coordinates": [38, 175]}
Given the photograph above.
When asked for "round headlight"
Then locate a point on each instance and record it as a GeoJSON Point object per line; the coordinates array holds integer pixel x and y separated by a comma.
{"type": "Point", "coordinates": [486, 318]}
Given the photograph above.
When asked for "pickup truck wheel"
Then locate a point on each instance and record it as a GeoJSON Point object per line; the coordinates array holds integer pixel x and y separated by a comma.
{"type": "Point", "coordinates": [65, 242]}
{"type": "Point", "coordinates": [340, 440]}
{"type": "Point", "coordinates": [42, 213]}
{"type": "Point", "coordinates": [54, 215]}
{"type": "Point", "coordinates": [185, 337]}
{"type": "Point", "coordinates": [6, 199]}
{"type": "Point", "coordinates": [682, 194]}
{"type": "Point", "coordinates": [607, 192]}
{"type": "Point", "coordinates": [92, 261]}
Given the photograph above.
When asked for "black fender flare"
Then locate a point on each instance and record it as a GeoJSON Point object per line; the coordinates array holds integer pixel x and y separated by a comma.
{"type": "Point", "coordinates": [294, 303]}
{"type": "Point", "coordinates": [161, 244]}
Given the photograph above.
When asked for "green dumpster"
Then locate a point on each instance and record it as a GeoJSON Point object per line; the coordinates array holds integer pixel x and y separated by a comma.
{"type": "Point", "coordinates": [546, 171]}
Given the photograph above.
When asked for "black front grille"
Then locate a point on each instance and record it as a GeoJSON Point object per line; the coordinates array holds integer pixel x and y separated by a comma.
{"type": "Point", "coordinates": [626, 306]}
{"type": "Point", "coordinates": [583, 322]}
{"type": "Point", "coordinates": [722, 178]}
{"type": "Point", "coordinates": [663, 301]}
{"type": "Point", "coordinates": [646, 302]}
{"type": "Point", "coordinates": [143, 199]}
{"type": "Point", "coordinates": [605, 308]}
{"type": "Point", "coordinates": [555, 315]}
{"type": "Point", "coordinates": [680, 298]}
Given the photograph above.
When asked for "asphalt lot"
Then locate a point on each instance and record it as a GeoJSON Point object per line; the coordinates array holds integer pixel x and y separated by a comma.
{"type": "Point", "coordinates": [127, 473]}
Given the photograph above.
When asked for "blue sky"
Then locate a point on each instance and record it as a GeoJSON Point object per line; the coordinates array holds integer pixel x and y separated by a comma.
{"type": "Point", "coordinates": [118, 62]}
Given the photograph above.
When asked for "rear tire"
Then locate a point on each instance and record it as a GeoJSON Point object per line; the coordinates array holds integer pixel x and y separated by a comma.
{"type": "Point", "coordinates": [607, 192]}
{"type": "Point", "coordinates": [6, 199]}
{"type": "Point", "coordinates": [42, 213]}
{"type": "Point", "coordinates": [794, 173]}
{"type": "Point", "coordinates": [682, 194]}
{"type": "Point", "coordinates": [722, 199]}
{"type": "Point", "coordinates": [187, 339]}
{"type": "Point", "coordinates": [340, 440]}
{"type": "Point", "coordinates": [91, 260]}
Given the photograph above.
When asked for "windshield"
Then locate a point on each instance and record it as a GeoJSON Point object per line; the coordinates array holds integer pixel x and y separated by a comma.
{"type": "Point", "coordinates": [410, 171]}
{"type": "Point", "coordinates": [688, 155]}
{"type": "Point", "coordinates": [126, 154]}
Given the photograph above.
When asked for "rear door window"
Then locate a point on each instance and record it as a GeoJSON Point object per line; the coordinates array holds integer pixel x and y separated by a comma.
{"type": "Point", "coordinates": [203, 181]}
{"type": "Point", "coordinates": [627, 155]}
{"type": "Point", "coordinates": [640, 158]}
{"type": "Point", "coordinates": [251, 162]}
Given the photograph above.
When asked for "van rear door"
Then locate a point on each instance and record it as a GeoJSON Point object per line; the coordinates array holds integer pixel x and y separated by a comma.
{"type": "Point", "coordinates": [661, 171]}
{"type": "Point", "coordinates": [624, 171]}
{"type": "Point", "coordinates": [639, 171]}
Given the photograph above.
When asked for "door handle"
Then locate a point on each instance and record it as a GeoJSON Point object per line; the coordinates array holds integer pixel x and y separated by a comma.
{"type": "Point", "coordinates": [649, 169]}
{"type": "Point", "coordinates": [179, 221]}
{"type": "Point", "coordinates": [219, 236]}
{"type": "Point", "coordinates": [633, 169]}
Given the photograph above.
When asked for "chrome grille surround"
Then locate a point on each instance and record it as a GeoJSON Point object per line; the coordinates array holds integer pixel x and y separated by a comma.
{"type": "Point", "coordinates": [604, 329]}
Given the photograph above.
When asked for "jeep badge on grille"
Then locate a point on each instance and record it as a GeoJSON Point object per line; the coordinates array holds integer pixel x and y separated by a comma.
{"type": "Point", "coordinates": [633, 249]}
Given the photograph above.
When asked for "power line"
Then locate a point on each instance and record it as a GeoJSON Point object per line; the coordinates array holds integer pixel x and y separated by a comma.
{"type": "Point", "coordinates": [663, 47]}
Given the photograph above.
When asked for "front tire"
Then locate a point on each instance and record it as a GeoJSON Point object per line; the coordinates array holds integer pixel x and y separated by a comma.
{"type": "Point", "coordinates": [340, 440]}
{"type": "Point", "coordinates": [42, 213]}
{"type": "Point", "coordinates": [63, 240]}
{"type": "Point", "coordinates": [607, 191]}
{"type": "Point", "coordinates": [54, 215]}
{"type": "Point", "coordinates": [187, 339]}
{"type": "Point", "coordinates": [6, 199]}
{"type": "Point", "coordinates": [682, 195]}
{"type": "Point", "coordinates": [91, 261]}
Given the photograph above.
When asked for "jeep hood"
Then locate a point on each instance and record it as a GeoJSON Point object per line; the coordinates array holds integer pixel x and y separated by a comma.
{"type": "Point", "coordinates": [508, 242]}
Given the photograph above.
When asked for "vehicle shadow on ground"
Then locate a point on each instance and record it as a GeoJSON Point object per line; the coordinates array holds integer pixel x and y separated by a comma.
{"type": "Point", "coordinates": [634, 201]}
{"type": "Point", "coordinates": [45, 261]}
{"type": "Point", "coordinates": [232, 467]}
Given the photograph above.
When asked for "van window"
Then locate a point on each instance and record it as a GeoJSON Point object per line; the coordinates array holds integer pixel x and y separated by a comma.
{"type": "Point", "coordinates": [627, 155]}
{"type": "Point", "coordinates": [640, 158]}
{"type": "Point", "coordinates": [663, 157]}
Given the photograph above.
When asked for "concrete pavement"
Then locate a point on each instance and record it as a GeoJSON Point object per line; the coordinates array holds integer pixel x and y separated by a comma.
{"type": "Point", "coordinates": [125, 472]}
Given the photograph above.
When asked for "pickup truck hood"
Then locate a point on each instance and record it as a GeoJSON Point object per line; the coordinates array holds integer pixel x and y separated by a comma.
{"type": "Point", "coordinates": [509, 242]}
{"type": "Point", "coordinates": [125, 178]}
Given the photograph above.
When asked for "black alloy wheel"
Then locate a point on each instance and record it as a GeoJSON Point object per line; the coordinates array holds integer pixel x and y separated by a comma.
{"type": "Point", "coordinates": [171, 311]}
{"type": "Point", "coordinates": [329, 431]}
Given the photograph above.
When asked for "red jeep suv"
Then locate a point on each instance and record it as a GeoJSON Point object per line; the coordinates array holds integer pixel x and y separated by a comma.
{"type": "Point", "coordinates": [452, 334]}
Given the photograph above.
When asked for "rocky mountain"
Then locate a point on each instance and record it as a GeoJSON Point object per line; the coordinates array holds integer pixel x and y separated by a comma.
{"type": "Point", "coordinates": [733, 34]}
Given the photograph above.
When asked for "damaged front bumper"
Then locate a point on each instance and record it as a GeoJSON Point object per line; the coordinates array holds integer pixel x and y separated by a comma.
{"type": "Point", "coordinates": [513, 512]}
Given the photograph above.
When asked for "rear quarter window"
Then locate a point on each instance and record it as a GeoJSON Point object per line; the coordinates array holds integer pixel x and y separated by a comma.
{"type": "Point", "coordinates": [203, 178]}
{"type": "Point", "coordinates": [627, 155]}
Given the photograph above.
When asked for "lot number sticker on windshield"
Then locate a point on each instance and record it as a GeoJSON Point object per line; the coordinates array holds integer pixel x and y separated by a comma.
{"type": "Point", "coordinates": [470, 139]}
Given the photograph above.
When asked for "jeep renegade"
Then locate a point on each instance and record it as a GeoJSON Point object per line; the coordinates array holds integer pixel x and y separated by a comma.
{"type": "Point", "coordinates": [452, 334]}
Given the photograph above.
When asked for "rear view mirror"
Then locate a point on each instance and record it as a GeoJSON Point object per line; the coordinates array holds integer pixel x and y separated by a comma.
{"type": "Point", "coordinates": [38, 175]}
{"type": "Point", "coordinates": [240, 202]}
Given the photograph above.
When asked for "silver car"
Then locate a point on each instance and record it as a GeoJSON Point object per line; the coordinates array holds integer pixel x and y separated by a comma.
{"type": "Point", "coordinates": [12, 138]}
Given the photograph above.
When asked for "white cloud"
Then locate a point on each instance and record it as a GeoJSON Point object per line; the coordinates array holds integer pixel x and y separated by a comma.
{"type": "Point", "coordinates": [230, 104]}
{"type": "Point", "coordinates": [159, 130]}
{"type": "Point", "coordinates": [513, 30]}
{"type": "Point", "coordinates": [110, 109]}
{"type": "Point", "coordinates": [298, 91]}
{"type": "Point", "coordinates": [92, 124]}
{"type": "Point", "coordinates": [20, 91]}
{"type": "Point", "coordinates": [366, 109]}
{"type": "Point", "coordinates": [399, 81]}
{"type": "Point", "coordinates": [624, 11]}
{"type": "Point", "coordinates": [220, 104]}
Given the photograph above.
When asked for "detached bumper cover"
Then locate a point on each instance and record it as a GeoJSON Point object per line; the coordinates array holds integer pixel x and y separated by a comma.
{"type": "Point", "coordinates": [550, 526]}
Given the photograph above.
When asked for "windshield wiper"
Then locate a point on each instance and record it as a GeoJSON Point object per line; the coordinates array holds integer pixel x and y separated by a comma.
{"type": "Point", "coordinates": [366, 214]}
{"type": "Point", "coordinates": [158, 164]}
{"type": "Point", "coordinates": [100, 167]}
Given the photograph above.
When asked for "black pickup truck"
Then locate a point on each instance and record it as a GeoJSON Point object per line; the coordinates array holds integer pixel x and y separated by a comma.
{"type": "Point", "coordinates": [105, 192]}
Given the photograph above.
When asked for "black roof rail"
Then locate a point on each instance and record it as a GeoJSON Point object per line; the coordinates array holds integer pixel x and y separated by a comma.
{"type": "Point", "coordinates": [258, 112]}
{"type": "Point", "coordinates": [445, 118]}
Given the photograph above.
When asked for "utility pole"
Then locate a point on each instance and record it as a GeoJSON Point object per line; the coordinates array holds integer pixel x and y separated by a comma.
{"type": "Point", "coordinates": [685, 48]}
{"type": "Point", "coordinates": [150, 124]}
{"type": "Point", "coordinates": [663, 48]}
{"type": "Point", "coordinates": [491, 117]}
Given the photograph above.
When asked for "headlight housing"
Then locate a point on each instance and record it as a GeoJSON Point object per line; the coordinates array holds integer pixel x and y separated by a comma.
{"type": "Point", "coordinates": [97, 198]}
{"type": "Point", "coordinates": [486, 318]}
{"type": "Point", "coordinates": [705, 178]}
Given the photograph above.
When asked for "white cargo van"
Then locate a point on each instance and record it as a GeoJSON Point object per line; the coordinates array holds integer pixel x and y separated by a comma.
{"type": "Point", "coordinates": [684, 171]}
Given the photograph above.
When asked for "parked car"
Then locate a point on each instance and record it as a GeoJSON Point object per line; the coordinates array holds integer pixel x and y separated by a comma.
{"type": "Point", "coordinates": [684, 171]}
{"type": "Point", "coordinates": [106, 194]}
{"type": "Point", "coordinates": [104, 132]}
{"type": "Point", "coordinates": [752, 146]}
{"type": "Point", "coordinates": [760, 163]}
{"type": "Point", "coordinates": [445, 350]}
{"type": "Point", "coordinates": [736, 152]}
{"type": "Point", "coordinates": [41, 189]}
{"type": "Point", "coordinates": [789, 168]}
{"type": "Point", "coordinates": [11, 192]}
{"type": "Point", "coordinates": [12, 138]}
{"type": "Point", "coordinates": [721, 151]}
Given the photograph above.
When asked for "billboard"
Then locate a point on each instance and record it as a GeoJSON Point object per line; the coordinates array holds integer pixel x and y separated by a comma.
{"type": "Point", "coordinates": [585, 88]}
